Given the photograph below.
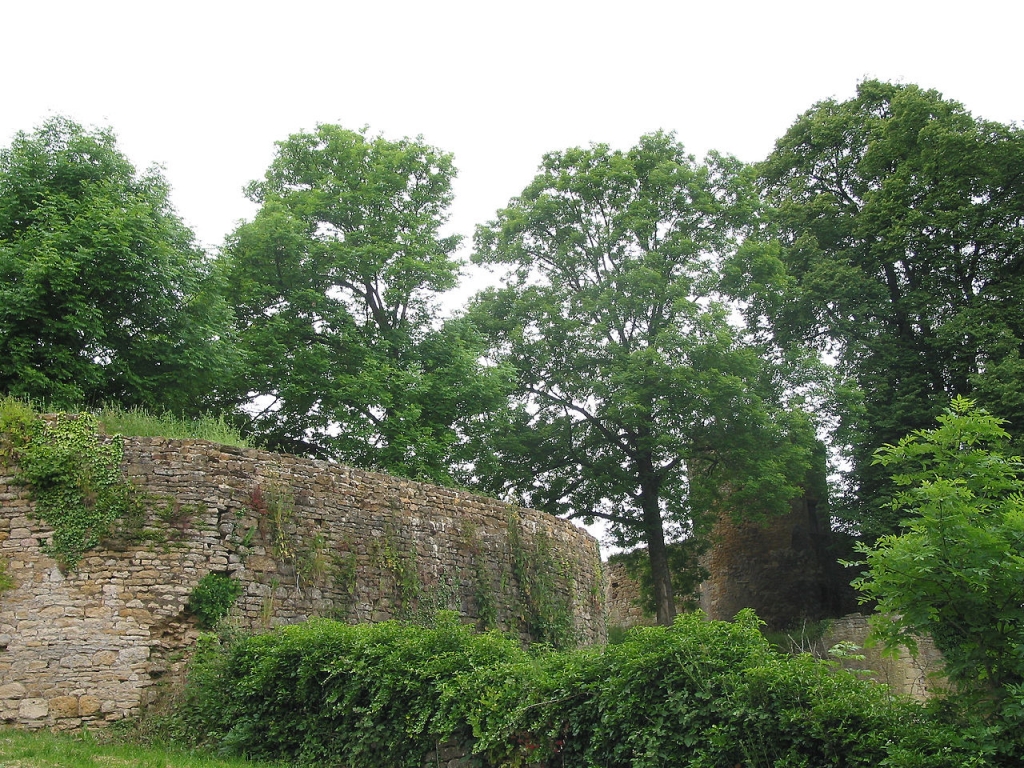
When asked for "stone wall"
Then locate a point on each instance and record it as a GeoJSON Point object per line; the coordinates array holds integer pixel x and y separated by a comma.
{"type": "Point", "coordinates": [623, 600]}
{"type": "Point", "coordinates": [781, 568]}
{"type": "Point", "coordinates": [302, 537]}
{"type": "Point", "coordinates": [917, 676]}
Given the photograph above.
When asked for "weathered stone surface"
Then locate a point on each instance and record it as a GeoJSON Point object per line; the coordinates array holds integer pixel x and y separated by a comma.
{"type": "Point", "coordinates": [33, 709]}
{"type": "Point", "coordinates": [303, 537]}
{"type": "Point", "coordinates": [781, 568]}
{"type": "Point", "coordinates": [12, 691]}
{"type": "Point", "coordinates": [918, 676]}
{"type": "Point", "coordinates": [63, 706]}
{"type": "Point", "coordinates": [89, 706]}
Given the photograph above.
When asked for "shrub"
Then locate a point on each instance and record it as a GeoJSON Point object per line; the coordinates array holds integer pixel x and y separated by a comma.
{"type": "Point", "coordinates": [701, 694]}
{"type": "Point", "coordinates": [212, 598]}
{"type": "Point", "coordinates": [327, 693]}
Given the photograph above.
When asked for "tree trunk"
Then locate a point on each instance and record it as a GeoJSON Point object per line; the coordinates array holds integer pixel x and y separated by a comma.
{"type": "Point", "coordinates": [664, 599]}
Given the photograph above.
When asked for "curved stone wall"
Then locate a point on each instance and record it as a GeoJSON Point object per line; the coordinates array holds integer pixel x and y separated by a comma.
{"type": "Point", "coordinates": [302, 537]}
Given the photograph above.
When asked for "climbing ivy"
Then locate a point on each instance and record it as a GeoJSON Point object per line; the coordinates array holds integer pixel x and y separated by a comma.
{"type": "Point", "coordinates": [401, 564]}
{"type": "Point", "coordinates": [75, 480]}
{"type": "Point", "coordinates": [544, 611]}
{"type": "Point", "coordinates": [483, 594]}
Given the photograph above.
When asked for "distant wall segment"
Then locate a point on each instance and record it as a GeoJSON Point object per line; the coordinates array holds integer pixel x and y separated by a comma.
{"type": "Point", "coordinates": [302, 537]}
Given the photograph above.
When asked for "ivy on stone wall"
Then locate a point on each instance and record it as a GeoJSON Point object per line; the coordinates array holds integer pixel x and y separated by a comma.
{"type": "Point", "coordinates": [544, 610]}
{"type": "Point", "coordinates": [401, 565]}
{"type": "Point", "coordinates": [75, 480]}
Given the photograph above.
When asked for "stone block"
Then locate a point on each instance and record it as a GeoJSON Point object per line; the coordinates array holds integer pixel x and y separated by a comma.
{"type": "Point", "coordinates": [63, 706]}
{"type": "Point", "coordinates": [134, 655]}
{"type": "Point", "coordinates": [33, 709]}
{"type": "Point", "coordinates": [89, 705]}
{"type": "Point", "coordinates": [104, 658]}
{"type": "Point", "coordinates": [12, 691]}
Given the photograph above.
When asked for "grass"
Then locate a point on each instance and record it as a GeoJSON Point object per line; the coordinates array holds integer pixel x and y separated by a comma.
{"type": "Point", "coordinates": [136, 422]}
{"type": "Point", "coordinates": [42, 749]}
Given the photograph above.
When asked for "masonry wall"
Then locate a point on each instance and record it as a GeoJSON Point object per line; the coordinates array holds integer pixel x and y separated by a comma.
{"type": "Point", "coordinates": [782, 568]}
{"type": "Point", "coordinates": [918, 676]}
{"type": "Point", "coordinates": [302, 537]}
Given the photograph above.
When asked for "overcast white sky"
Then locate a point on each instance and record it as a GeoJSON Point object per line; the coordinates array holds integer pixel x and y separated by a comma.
{"type": "Point", "coordinates": [206, 88]}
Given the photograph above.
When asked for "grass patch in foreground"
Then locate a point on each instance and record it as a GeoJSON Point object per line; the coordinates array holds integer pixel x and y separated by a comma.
{"type": "Point", "coordinates": [42, 749]}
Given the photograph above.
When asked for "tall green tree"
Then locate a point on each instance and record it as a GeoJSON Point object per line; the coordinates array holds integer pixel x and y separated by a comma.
{"type": "Point", "coordinates": [335, 286]}
{"type": "Point", "coordinates": [104, 295]}
{"type": "Point", "coordinates": [636, 401]}
{"type": "Point", "coordinates": [955, 572]}
{"type": "Point", "coordinates": [898, 239]}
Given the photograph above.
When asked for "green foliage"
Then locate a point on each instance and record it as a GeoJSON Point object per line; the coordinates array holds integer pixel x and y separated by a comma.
{"type": "Point", "coordinates": [327, 693]}
{"type": "Point", "coordinates": [484, 591]}
{"type": "Point", "coordinates": [807, 638]}
{"type": "Point", "coordinates": [211, 599]}
{"type": "Point", "coordinates": [274, 508]}
{"type": "Point", "coordinates": [401, 566]}
{"type": "Point", "coordinates": [343, 570]}
{"type": "Point", "coordinates": [892, 243]}
{"type": "Point", "coordinates": [636, 399]}
{"type": "Point", "coordinates": [334, 285]}
{"type": "Point", "coordinates": [75, 480]}
{"type": "Point", "coordinates": [7, 581]}
{"type": "Point", "coordinates": [104, 295]}
{"type": "Point", "coordinates": [543, 609]}
{"type": "Point", "coordinates": [138, 422]}
{"type": "Point", "coordinates": [955, 572]}
{"type": "Point", "coordinates": [700, 693]}
{"type": "Point", "coordinates": [683, 564]}
{"type": "Point", "coordinates": [312, 562]}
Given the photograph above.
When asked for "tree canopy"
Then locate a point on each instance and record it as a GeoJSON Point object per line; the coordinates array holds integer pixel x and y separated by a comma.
{"type": "Point", "coordinates": [104, 295]}
{"type": "Point", "coordinates": [895, 245]}
{"type": "Point", "coordinates": [335, 285]}
{"type": "Point", "coordinates": [636, 399]}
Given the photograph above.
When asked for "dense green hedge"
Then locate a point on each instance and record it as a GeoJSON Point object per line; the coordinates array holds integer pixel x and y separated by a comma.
{"type": "Point", "coordinates": [701, 693]}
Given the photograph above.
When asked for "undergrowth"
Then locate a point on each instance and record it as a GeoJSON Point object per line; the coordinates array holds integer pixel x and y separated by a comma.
{"type": "Point", "coordinates": [702, 694]}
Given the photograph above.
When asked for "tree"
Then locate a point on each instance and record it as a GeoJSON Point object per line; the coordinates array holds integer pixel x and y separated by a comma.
{"type": "Point", "coordinates": [334, 284]}
{"type": "Point", "coordinates": [956, 571]}
{"type": "Point", "coordinates": [898, 219]}
{"type": "Point", "coordinates": [104, 295]}
{"type": "Point", "coordinates": [636, 401]}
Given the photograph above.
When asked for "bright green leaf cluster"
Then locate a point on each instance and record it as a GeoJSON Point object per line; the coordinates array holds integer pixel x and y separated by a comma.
{"type": "Point", "coordinates": [104, 294]}
{"type": "Point", "coordinates": [957, 569]}
{"type": "Point", "coordinates": [891, 240]}
{"type": "Point", "coordinates": [212, 598]}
